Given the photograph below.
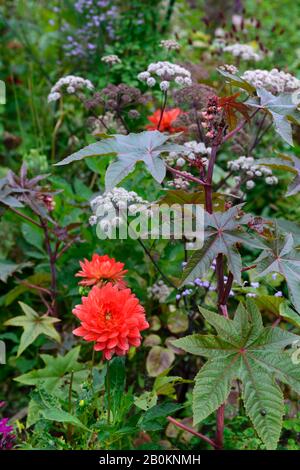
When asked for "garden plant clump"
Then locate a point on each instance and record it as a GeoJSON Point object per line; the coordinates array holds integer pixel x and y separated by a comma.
{"type": "Point", "coordinates": [150, 225]}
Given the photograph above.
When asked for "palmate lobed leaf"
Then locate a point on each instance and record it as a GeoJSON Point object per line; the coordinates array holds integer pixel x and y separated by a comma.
{"type": "Point", "coordinates": [237, 81]}
{"type": "Point", "coordinates": [279, 306]}
{"type": "Point", "coordinates": [8, 268]}
{"type": "Point", "coordinates": [48, 407]}
{"type": "Point", "coordinates": [223, 230]}
{"type": "Point", "coordinates": [281, 256]}
{"type": "Point", "coordinates": [282, 108]}
{"type": "Point", "coordinates": [146, 146]}
{"type": "Point", "coordinates": [231, 107]}
{"type": "Point", "coordinates": [244, 349]}
{"type": "Point", "coordinates": [34, 325]}
{"type": "Point", "coordinates": [56, 368]}
{"type": "Point", "coordinates": [181, 196]}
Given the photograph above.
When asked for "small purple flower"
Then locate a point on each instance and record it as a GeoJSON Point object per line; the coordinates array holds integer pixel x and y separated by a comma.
{"type": "Point", "coordinates": [198, 282]}
{"type": "Point", "coordinates": [255, 285]}
{"type": "Point", "coordinates": [274, 276]}
{"type": "Point", "coordinates": [278, 294]}
{"type": "Point", "coordinates": [178, 297]}
{"type": "Point", "coordinates": [205, 284]}
{"type": "Point", "coordinates": [187, 292]}
{"type": "Point", "coordinates": [250, 294]}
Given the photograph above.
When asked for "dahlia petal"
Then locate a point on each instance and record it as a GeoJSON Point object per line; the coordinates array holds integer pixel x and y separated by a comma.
{"type": "Point", "coordinates": [79, 331]}
{"type": "Point", "coordinates": [121, 352]}
{"type": "Point", "coordinates": [123, 343]}
{"type": "Point", "coordinates": [102, 338]}
{"type": "Point", "coordinates": [108, 353]}
{"type": "Point", "coordinates": [99, 346]}
{"type": "Point", "coordinates": [134, 332]}
{"type": "Point", "coordinates": [135, 341]}
{"type": "Point", "coordinates": [114, 334]}
{"type": "Point", "coordinates": [112, 343]}
{"type": "Point", "coordinates": [87, 283]}
{"type": "Point", "coordinates": [91, 337]}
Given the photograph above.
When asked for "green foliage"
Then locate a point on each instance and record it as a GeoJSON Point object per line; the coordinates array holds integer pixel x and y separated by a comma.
{"type": "Point", "coordinates": [56, 370]}
{"type": "Point", "coordinates": [251, 353]}
{"type": "Point", "coordinates": [33, 325]}
{"type": "Point", "coordinates": [283, 110]}
{"type": "Point", "coordinates": [130, 149]}
{"type": "Point", "coordinates": [282, 257]}
{"type": "Point", "coordinates": [45, 406]}
{"type": "Point", "coordinates": [223, 230]}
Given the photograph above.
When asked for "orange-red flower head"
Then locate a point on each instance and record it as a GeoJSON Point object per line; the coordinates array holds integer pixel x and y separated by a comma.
{"type": "Point", "coordinates": [166, 125]}
{"type": "Point", "coordinates": [100, 270]}
{"type": "Point", "coordinates": [112, 318]}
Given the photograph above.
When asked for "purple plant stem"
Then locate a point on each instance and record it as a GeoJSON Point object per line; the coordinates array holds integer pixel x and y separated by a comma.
{"type": "Point", "coordinates": [192, 431]}
{"type": "Point", "coordinates": [26, 217]}
{"type": "Point", "coordinates": [162, 109]}
{"type": "Point", "coordinates": [185, 176]}
{"type": "Point", "coordinates": [220, 277]}
{"type": "Point", "coordinates": [239, 127]}
{"type": "Point", "coordinates": [52, 260]}
{"type": "Point", "coordinates": [220, 426]}
{"type": "Point", "coordinates": [208, 187]}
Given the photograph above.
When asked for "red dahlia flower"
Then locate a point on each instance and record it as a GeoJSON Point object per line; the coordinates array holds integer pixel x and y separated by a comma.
{"type": "Point", "coordinates": [167, 120]}
{"type": "Point", "coordinates": [100, 270]}
{"type": "Point", "coordinates": [112, 318]}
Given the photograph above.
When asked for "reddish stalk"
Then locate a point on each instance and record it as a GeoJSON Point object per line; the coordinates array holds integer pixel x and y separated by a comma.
{"type": "Point", "coordinates": [26, 217]}
{"type": "Point", "coordinates": [52, 261]}
{"type": "Point", "coordinates": [188, 177]}
{"type": "Point", "coordinates": [164, 103]}
{"type": "Point", "coordinates": [239, 127]}
{"type": "Point", "coordinates": [220, 426]}
{"type": "Point", "coordinates": [220, 275]}
{"type": "Point", "coordinates": [192, 431]}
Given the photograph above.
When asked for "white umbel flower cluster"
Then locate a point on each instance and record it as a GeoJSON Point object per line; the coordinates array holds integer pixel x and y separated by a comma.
{"type": "Point", "coordinates": [178, 183]}
{"type": "Point", "coordinates": [193, 149]}
{"type": "Point", "coordinates": [106, 207]}
{"type": "Point", "coordinates": [229, 68]}
{"type": "Point", "coordinates": [243, 51]}
{"type": "Point", "coordinates": [273, 80]}
{"type": "Point", "coordinates": [196, 147]}
{"type": "Point", "coordinates": [159, 291]}
{"type": "Point", "coordinates": [71, 84]}
{"type": "Point", "coordinates": [250, 171]}
{"type": "Point", "coordinates": [111, 59]}
{"type": "Point", "coordinates": [170, 44]}
{"type": "Point", "coordinates": [165, 72]}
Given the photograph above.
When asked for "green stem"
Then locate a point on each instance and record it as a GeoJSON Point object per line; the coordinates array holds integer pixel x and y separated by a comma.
{"type": "Point", "coordinates": [92, 365]}
{"type": "Point", "coordinates": [70, 427]}
{"type": "Point", "coordinates": [108, 393]}
{"type": "Point", "coordinates": [70, 391]}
